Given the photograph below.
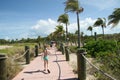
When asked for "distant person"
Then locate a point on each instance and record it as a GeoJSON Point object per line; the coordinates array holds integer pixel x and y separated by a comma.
{"type": "Point", "coordinates": [45, 58]}
{"type": "Point", "coordinates": [51, 43]}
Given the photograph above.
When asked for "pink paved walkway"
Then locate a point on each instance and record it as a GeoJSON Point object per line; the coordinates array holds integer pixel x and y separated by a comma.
{"type": "Point", "coordinates": [59, 68]}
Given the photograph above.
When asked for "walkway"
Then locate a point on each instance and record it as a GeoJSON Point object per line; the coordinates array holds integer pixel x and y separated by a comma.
{"type": "Point", "coordinates": [59, 68]}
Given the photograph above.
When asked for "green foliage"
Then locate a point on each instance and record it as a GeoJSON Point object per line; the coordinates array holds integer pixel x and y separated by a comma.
{"type": "Point", "coordinates": [73, 49]}
{"type": "Point", "coordinates": [95, 48]}
{"type": "Point", "coordinates": [17, 49]}
{"type": "Point", "coordinates": [107, 54]}
{"type": "Point", "coordinates": [3, 51]}
{"type": "Point", "coordinates": [110, 64]}
{"type": "Point", "coordinates": [12, 68]}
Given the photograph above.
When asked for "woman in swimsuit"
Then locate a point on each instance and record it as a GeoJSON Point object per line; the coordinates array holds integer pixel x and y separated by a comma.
{"type": "Point", "coordinates": [45, 58]}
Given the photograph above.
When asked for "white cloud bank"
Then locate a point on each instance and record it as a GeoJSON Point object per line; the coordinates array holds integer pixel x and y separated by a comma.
{"type": "Point", "coordinates": [45, 27]}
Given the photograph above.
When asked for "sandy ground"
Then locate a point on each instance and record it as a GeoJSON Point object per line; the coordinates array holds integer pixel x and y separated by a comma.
{"type": "Point", "coordinates": [5, 46]}
{"type": "Point", "coordinates": [73, 62]}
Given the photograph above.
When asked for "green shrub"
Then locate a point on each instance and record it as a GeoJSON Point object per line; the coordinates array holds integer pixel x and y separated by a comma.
{"type": "Point", "coordinates": [95, 48]}
{"type": "Point", "coordinates": [110, 64]}
{"type": "Point", "coordinates": [73, 49]}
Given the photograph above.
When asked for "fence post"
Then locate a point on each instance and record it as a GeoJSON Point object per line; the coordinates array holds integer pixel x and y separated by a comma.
{"type": "Point", "coordinates": [62, 48]}
{"type": "Point", "coordinates": [66, 53]}
{"type": "Point", "coordinates": [3, 71]}
{"type": "Point", "coordinates": [95, 36]}
{"type": "Point", "coordinates": [36, 50]}
{"type": "Point", "coordinates": [81, 65]}
{"type": "Point", "coordinates": [39, 45]}
{"type": "Point", "coordinates": [27, 55]}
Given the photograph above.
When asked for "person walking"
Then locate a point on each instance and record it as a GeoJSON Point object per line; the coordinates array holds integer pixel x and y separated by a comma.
{"type": "Point", "coordinates": [45, 58]}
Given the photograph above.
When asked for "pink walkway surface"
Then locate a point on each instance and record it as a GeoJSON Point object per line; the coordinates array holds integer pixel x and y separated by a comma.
{"type": "Point", "coordinates": [59, 69]}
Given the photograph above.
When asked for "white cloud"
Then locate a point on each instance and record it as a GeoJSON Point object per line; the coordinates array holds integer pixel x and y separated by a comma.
{"type": "Point", "coordinates": [84, 24]}
{"type": "Point", "coordinates": [44, 27]}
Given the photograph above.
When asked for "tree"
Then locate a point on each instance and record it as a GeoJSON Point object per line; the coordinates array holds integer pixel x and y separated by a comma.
{"type": "Point", "coordinates": [64, 19]}
{"type": "Point", "coordinates": [114, 18]}
{"type": "Point", "coordinates": [100, 22]}
{"type": "Point", "coordinates": [38, 39]}
{"type": "Point", "coordinates": [73, 6]}
{"type": "Point", "coordinates": [90, 29]}
{"type": "Point", "coordinates": [59, 31]}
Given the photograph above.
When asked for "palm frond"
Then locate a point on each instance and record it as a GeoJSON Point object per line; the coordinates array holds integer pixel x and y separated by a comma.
{"type": "Point", "coordinates": [98, 22]}
{"type": "Point", "coordinates": [114, 18]}
{"type": "Point", "coordinates": [71, 6]}
{"type": "Point", "coordinates": [63, 19]}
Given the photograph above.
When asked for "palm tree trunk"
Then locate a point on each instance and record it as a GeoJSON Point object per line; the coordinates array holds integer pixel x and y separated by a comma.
{"type": "Point", "coordinates": [103, 31]}
{"type": "Point", "coordinates": [66, 34]}
{"type": "Point", "coordinates": [78, 29]}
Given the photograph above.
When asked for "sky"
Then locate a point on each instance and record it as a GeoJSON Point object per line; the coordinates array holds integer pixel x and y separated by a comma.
{"type": "Point", "coordinates": [33, 18]}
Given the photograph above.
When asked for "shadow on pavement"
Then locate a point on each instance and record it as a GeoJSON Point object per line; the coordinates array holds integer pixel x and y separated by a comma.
{"type": "Point", "coordinates": [69, 79]}
{"type": "Point", "coordinates": [59, 61]}
{"type": "Point", "coordinates": [31, 72]}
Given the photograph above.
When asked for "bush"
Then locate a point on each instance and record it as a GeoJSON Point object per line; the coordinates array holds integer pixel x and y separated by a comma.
{"type": "Point", "coordinates": [107, 54]}
{"type": "Point", "coordinates": [73, 49]}
{"type": "Point", "coordinates": [110, 64]}
{"type": "Point", "coordinates": [95, 48]}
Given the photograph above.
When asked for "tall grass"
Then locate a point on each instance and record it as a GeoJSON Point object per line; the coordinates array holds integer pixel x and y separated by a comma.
{"type": "Point", "coordinates": [13, 67]}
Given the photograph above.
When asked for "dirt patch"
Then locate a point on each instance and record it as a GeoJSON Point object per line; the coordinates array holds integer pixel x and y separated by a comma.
{"type": "Point", "coordinates": [73, 63]}
{"type": "Point", "coordinates": [5, 46]}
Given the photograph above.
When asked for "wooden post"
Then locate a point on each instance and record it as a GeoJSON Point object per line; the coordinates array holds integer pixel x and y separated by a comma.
{"type": "Point", "coordinates": [81, 65]}
{"type": "Point", "coordinates": [3, 71]}
{"type": "Point", "coordinates": [95, 36]}
{"type": "Point", "coordinates": [39, 45]}
{"type": "Point", "coordinates": [66, 53]}
{"type": "Point", "coordinates": [27, 55]}
{"type": "Point", "coordinates": [36, 50]}
{"type": "Point", "coordinates": [62, 48]}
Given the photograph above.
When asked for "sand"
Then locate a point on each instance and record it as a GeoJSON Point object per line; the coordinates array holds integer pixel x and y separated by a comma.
{"type": "Point", "coordinates": [5, 46]}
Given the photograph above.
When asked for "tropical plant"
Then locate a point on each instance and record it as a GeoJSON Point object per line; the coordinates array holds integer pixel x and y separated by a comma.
{"type": "Point", "coordinates": [73, 6]}
{"type": "Point", "coordinates": [59, 31]}
{"type": "Point", "coordinates": [114, 18]}
{"type": "Point", "coordinates": [96, 48]}
{"type": "Point", "coordinates": [100, 22]}
{"type": "Point", "coordinates": [64, 19]}
{"type": "Point", "coordinates": [90, 29]}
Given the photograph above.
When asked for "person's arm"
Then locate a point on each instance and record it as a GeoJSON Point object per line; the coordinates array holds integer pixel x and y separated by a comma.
{"type": "Point", "coordinates": [42, 56]}
{"type": "Point", "coordinates": [48, 51]}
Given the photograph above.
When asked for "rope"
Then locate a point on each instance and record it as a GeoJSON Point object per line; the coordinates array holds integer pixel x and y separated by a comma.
{"type": "Point", "coordinates": [3, 57]}
{"type": "Point", "coordinates": [21, 55]}
{"type": "Point", "coordinates": [98, 68]}
{"type": "Point", "coordinates": [69, 50]}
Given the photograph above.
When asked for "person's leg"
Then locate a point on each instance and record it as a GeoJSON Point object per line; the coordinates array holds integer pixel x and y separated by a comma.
{"type": "Point", "coordinates": [46, 64]}
{"type": "Point", "coordinates": [45, 68]}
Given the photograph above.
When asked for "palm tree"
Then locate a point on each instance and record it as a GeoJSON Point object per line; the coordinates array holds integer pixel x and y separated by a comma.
{"type": "Point", "coordinates": [100, 22]}
{"type": "Point", "coordinates": [59, 31]}
{"type": "Point", "coordinates": [114, 18]}
{"type": "Point", "coordinates": [64, 19]}
{"type": "Point", "coordinates": [73, 6]}
{"type": "Point", "coordinates": [90, 29]}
